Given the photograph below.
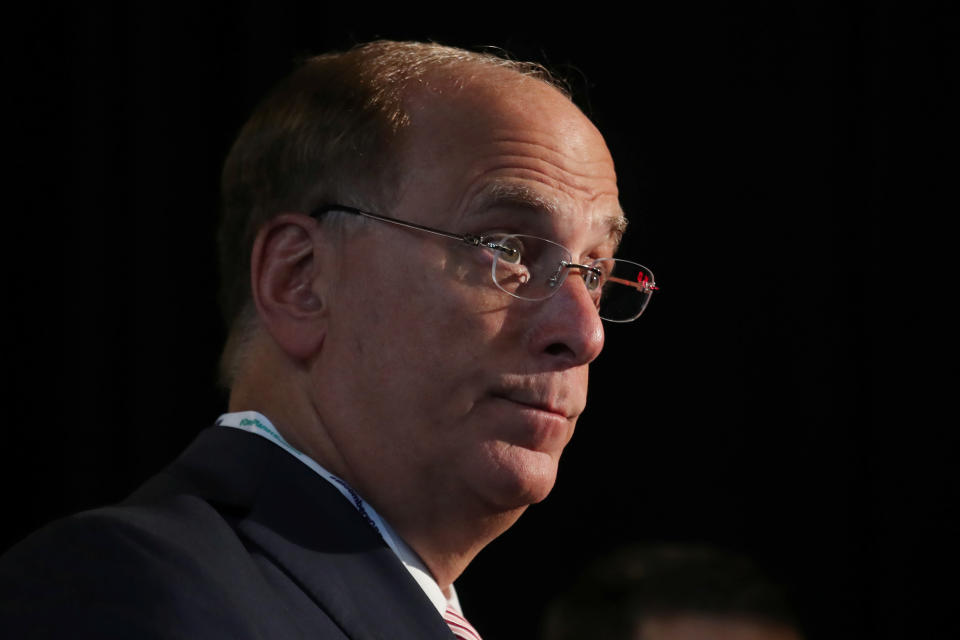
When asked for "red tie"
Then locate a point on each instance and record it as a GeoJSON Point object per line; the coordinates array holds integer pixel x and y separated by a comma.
{"type": "Point", "coordinates": [459, 625]}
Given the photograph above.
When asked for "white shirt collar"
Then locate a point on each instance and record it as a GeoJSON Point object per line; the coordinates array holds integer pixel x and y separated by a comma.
{"type": "Point", "coordinates": [257, 423]}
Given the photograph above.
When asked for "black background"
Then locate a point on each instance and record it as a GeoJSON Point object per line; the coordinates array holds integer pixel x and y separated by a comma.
{"type": "Point", "coordinates": [786, 167]}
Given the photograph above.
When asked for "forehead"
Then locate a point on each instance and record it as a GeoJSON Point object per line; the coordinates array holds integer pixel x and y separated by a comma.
{"type": "Point", "coordinates": [493, 140]}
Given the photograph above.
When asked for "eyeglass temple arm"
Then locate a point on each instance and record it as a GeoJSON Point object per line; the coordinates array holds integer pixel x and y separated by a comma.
{"type": "Point", "coordinates": [642, 286]}
{"type": "Point", "coordinates": [467, 238]}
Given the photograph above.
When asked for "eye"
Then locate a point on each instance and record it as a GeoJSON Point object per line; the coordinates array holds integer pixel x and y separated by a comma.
{"type": "Point", "coordinates": [508, 248]}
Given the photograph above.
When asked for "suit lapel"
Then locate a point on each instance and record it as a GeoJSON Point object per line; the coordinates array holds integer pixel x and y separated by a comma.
{"type": "Point", "coordinates": [314, 535]}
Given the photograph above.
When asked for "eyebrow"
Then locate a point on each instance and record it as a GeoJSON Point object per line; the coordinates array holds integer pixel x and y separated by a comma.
{"type": "Point", "coordinates": [521, 195]}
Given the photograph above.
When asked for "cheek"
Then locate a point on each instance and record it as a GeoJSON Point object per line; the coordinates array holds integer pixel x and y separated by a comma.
{"type": "Point", "coordinates": [469, 266]}
{"type": "Point", "coordinates": [451, 306]}
{"type": "Point", "coordinates": [416, 340]}
{"type": "Point", "coordinates": [427, 326]}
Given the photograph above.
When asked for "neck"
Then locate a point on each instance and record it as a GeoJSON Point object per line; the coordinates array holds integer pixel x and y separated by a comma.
{"type": "Point", "coordinates": [445, 529]}
{"type": "Point", "coordinates": [447, 545]}
{"type": "Point", "coordinates": [274, 387]}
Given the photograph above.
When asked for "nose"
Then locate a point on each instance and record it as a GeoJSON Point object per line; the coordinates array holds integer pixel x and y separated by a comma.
{"type": "Point", "coordinates": [568, 329]}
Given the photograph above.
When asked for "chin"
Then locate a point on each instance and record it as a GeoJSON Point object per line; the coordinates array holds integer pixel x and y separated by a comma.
{"type": "Point", "coordinates": [516, 477]}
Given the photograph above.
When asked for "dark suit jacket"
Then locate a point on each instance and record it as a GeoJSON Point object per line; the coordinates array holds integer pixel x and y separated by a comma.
{"type": "Point", "coordinates": [236, 539]}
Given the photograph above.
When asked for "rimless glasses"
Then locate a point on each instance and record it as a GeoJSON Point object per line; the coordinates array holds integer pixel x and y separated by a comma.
{"type": "Point", "coordinates": [532, 268]}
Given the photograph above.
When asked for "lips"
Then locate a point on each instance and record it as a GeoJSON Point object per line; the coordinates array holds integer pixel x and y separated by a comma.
{"type": "Point", "coordinates": [541, 400]}
{"type": "Point", "coordinates": [536, 405]}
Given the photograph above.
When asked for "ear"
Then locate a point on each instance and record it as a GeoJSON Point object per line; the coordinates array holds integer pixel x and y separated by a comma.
{"type": "Point", "coordinates": [288, 284]}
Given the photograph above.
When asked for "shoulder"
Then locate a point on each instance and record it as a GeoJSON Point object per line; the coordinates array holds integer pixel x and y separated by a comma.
{"type": "Point", "coordinates": [116, 569]}
{"type": "Point", "coordinates": [212, 547]}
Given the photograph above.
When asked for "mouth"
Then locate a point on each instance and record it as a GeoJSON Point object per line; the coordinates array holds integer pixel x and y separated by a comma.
{"type": "Point", "coordinates": [534, 403]}
{"type": "Point", "coordinates": [532, 422]}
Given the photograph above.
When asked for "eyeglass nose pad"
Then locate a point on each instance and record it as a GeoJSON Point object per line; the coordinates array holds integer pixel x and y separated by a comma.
{"type": "Point", "coordinates": [559, 275]}
{"type": "Point", "coordinates": [590, 275]}
{"type": "Point", "coordinates": [591, 278]}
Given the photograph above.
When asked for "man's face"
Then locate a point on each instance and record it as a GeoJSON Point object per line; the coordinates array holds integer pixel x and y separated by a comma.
{"type": "Point", "coordinates": [435, 383]}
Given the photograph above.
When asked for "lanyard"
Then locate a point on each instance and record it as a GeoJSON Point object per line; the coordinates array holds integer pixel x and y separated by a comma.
{"type": "Point", "coordinates": [257, 423]}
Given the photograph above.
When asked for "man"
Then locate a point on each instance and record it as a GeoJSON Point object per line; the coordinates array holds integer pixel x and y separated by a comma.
{"type": "Point", "coordinates": [671, 593]}
{"type": "Point", "coordinates": [415, 243]}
